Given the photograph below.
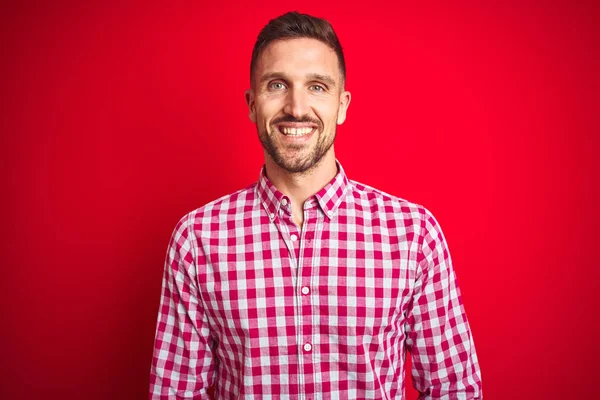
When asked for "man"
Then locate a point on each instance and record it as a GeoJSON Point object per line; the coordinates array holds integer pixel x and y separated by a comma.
{"type": "Point", "coordinates": [308, 285]}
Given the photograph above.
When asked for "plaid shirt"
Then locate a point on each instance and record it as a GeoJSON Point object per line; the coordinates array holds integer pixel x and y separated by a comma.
{"type": "Point", "coordinates": [260, 308]}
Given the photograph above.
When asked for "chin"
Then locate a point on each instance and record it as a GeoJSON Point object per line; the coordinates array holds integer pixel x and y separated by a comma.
{"type": "Point", "coordinates": [298, 165]}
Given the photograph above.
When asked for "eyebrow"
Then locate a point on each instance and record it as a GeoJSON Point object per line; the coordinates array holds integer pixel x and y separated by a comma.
{"type": "Point", "coordinates": [313, 77]}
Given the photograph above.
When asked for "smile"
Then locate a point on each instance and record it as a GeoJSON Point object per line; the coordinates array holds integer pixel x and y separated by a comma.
{"type": "Point", "coordinates": [296, 131]}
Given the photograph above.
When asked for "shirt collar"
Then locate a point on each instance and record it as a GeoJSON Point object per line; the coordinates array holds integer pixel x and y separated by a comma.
{"type": "Point", "coordinates": [328, 198]}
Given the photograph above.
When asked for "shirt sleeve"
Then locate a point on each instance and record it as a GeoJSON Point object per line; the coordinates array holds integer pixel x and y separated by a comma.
{"type": "Point", "coordinates": [183, 364]}
{"type": "Point", "coordinates": [444, 362]}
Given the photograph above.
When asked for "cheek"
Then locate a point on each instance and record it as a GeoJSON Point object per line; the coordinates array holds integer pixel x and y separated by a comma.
{"type": "Point", "coordinates": [267, 110]}
{"type": "Point", "coordinates": [328, 112]}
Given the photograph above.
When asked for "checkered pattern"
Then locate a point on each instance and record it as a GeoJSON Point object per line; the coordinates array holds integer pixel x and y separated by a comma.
{"type": "Point", "coordinates": [262, 309]}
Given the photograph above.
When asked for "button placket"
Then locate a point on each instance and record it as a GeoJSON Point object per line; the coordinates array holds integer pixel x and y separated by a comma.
{"type": "Point", "coordinates": [306, 316]}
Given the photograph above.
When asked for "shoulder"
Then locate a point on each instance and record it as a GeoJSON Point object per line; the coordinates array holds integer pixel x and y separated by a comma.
{"type": "Point", "coordinates": [380, 201]}
{"type": "Point", "coordinates": [387, 206]}
{"type": "Point", "coordinates": [219, 210]}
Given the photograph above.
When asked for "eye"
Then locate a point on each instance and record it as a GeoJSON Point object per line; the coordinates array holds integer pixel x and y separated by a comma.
{"type": "Point", "coordinates": [276, 86]}
{"type": "Point", "coordinates": [317, 88]}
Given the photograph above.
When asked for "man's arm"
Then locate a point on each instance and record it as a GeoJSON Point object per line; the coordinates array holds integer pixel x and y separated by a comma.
{"type": "Point", "coordinates": [183, 364]}
{"type": "Point", "coordinates": [444, 363]}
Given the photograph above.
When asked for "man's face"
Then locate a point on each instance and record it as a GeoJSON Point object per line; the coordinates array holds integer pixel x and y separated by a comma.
{"type": "Point", "coordinates": [296, 100]}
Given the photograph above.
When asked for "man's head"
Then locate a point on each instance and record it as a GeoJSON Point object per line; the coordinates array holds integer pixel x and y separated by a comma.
{"type": "Point", "coordinates": [297, 91]}
{"type": "Point", "coordinates": [293, 25]}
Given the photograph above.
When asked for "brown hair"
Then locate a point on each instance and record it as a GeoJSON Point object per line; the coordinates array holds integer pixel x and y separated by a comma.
{"type": "Point", "coordinates": [295, 25]}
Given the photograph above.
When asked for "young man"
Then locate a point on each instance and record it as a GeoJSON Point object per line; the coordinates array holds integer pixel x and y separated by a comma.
{"type": "Point", "coordinates": [308, 285]}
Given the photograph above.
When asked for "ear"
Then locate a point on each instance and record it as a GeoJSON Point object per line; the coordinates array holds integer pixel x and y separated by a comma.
{"type": "Point", "coordinates": [345, 98]}
{"type": "Point", "coordinates": [251, 105]}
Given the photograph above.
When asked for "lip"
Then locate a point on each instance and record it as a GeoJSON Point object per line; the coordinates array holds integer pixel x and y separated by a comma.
{"type": "Point", "coordinates": [296, 139]}
{"type": "Point", "coordinates": [296, 125]}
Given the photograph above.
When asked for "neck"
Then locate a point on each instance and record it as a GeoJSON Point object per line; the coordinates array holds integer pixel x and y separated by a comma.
{"type": "Point", "coordinates": [301, 186]}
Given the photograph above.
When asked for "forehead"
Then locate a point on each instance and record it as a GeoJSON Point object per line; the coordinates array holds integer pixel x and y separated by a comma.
{"type": "Point", "coordinates": [301, 56]}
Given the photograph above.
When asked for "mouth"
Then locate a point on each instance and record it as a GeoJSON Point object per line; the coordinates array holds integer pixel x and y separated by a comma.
{"type": "Point", "coordinates": [296, 130]}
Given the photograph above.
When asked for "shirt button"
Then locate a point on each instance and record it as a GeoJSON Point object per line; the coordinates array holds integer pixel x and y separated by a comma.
{"type": "Point", "coordinates": [294, 238]}
{"type": "Point", "coordinates": [271, 215]}
{"type": "Point", "coordinates": [307, 347]}
{"type": "Point", "coordinates": [305, 290]}
{"type": "Point", "coordinates": [330, 213]}
{"type": "Point", "coordinates": [284, 202]}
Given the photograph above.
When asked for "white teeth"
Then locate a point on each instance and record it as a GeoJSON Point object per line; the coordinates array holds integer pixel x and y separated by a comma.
{"type": "Point", "coordinates": [296, 131]}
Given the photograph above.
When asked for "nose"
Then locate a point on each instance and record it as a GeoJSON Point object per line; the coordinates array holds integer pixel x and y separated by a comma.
{"type": "Point", "coordinates": [297, 104]}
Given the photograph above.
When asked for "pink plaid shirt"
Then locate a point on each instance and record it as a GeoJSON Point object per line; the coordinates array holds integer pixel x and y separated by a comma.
{"type": "Point", "coordinates": [260, 308]}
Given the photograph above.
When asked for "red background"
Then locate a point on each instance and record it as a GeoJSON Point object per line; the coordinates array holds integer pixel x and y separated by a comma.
{"type": "Point", "coordinates": [118, 119]}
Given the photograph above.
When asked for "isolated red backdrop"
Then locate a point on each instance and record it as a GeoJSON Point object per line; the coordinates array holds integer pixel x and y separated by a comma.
{"type": "Point", "coordinates": [118, 119]}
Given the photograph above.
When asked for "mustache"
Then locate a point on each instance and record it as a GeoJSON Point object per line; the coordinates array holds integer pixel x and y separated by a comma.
{"type": "Point", "coordinates": [304, 119]}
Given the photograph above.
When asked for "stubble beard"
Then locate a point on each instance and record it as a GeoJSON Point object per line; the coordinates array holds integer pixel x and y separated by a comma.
{"type": "Point", "coordinates": [297, 164]}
